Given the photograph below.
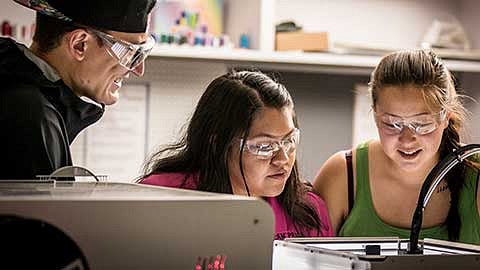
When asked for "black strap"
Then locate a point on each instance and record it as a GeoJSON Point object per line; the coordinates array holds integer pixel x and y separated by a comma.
{"type": "Point", "coordinates": [348, 158]}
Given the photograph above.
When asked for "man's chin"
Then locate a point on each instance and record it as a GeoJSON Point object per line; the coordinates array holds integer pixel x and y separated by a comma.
{"type": "Point", "coordinates": [112, 95]}
{"type": "Point", "coordinates": [112, 99]}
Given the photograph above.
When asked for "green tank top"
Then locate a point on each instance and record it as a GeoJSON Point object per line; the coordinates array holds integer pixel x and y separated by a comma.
{"type": "Point", "coordinates": [470, 219]}
{"type": "Point", "coordinates": [364, 221]}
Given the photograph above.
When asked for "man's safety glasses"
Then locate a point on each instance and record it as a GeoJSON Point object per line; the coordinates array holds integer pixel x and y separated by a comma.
{"type": "Point", "coordinates": [420, 125]}
{"type": "Point", "coordinates": [128, 55]}
{"type": "Point", "coordinates": [266, 147]}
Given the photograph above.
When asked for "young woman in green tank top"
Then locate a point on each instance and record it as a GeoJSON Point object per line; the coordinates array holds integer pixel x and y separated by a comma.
{"type": "Point", "coordinates": [419, 117]}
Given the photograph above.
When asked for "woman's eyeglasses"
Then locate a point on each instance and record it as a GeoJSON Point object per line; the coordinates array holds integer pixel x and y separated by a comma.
{"type": "Point", "coordinates": [266, 148]}
{"type": "Point", "coordinates": [420, 125]}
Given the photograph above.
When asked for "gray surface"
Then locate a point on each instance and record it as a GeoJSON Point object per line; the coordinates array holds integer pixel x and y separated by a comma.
{"type": "Point", "coordinates": [61, 191]}
{"type": "Point", "coordinates": [126, 226]}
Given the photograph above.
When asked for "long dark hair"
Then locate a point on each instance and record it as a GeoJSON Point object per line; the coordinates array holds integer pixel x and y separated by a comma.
{"type": "Point", "coordinates": [425, 70]}
{"type": "Point", "coordinates": [225, 112]}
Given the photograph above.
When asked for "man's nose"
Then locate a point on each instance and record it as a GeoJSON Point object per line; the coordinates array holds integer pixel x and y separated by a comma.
{"type": "Point", "coordinates": [139, 70]}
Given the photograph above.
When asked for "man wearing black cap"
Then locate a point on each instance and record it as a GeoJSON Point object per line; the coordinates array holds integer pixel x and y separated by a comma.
{"type": "Point", "coordinates": [81, 52]}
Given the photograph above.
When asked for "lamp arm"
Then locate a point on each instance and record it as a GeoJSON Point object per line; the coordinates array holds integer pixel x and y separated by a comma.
{"type": "Point", "coordinates": [434, 178]}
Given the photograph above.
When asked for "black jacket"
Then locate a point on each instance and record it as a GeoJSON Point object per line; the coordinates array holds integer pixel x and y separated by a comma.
{"type": "Point", "coordinates": [38, 118]}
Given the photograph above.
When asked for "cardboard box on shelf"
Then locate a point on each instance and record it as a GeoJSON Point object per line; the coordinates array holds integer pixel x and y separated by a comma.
{"type": "Point", "coordinates": [299, 40]}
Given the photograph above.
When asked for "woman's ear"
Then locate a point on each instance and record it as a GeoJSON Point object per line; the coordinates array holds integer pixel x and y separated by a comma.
{"type": "Point", "coordinates": [447, 119]}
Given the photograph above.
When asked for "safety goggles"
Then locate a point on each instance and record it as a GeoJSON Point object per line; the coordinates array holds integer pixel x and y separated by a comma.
{"type": "Point", "coordinates": [266, 148]}
{"type": "Point", "coordinates": [420, 125]}
{"type": "Point", "coordinates": [128, 55]}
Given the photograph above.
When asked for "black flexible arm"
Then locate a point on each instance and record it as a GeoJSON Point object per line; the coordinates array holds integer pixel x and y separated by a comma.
{"type": "Point", "coordinates": [434, 178]}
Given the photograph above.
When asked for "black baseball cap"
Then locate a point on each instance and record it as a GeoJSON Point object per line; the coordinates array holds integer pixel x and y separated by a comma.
{"type": "Point", "coordinates": [129, 16]}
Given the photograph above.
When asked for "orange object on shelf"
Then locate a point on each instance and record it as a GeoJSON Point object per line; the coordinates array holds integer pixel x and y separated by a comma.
{"type": "Point", "coordinates": [285, 41]}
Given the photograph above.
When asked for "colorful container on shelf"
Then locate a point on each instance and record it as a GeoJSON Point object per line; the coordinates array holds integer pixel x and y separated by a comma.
{"type": "Point", "coordinates": [189, 22]}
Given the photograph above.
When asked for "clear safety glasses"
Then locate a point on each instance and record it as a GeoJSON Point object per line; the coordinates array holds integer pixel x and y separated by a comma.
{"type": "Point", "coordinates": [128, 55]}
{"type": "Point", "coordinates": [266, 147]}
{"type": "Point", "coordinates": [420, 125]}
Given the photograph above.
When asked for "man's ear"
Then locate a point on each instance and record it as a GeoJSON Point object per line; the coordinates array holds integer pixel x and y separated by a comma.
{"type": "Point", "coordinates": [77, 42]}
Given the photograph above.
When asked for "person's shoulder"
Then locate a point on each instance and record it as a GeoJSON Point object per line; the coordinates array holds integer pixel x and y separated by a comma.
{"type": "Point", "coordinates": [315, 199]}
{"type": "Point", "coordinates": [322, 211]}
{"type": "Point", "coordinates": [331, 171]}
{"type": "Point", "coordinates": [161, 179]}
{"type": "Point", "coordinates": [336, 159]}
{"type": "Point", "coordinates": [334, 169]}
{"type": "Point", "coordinates": [171, 179]}
{"type": "Point", "coordinates": [24, 103]}
{"type": "Point", "coordinates": [331, 186]}
{"type": "Point", "coordinates": [8, 51]}
{"type": "Point", "coordinates": [26, 94]}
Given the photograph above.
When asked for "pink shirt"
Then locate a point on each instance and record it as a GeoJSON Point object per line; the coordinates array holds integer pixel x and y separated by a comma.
{"type": "Point", "coordinates": [284, 226]}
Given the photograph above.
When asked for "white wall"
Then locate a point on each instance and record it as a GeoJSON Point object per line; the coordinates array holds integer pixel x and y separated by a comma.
{"type": "Point", "coordinates": [469, 16]}
{"type": "Point", "coordinates": [391, 23]}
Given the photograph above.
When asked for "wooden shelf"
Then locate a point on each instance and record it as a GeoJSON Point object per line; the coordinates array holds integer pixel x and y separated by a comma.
{"type": "Point", "coordinates": [292, 61]}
